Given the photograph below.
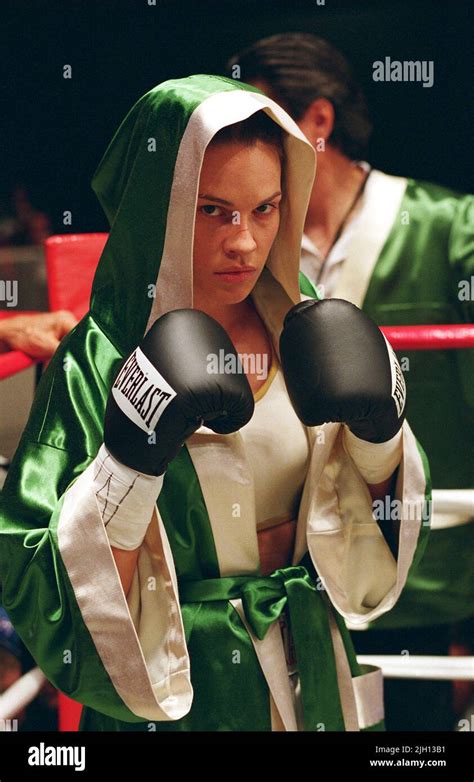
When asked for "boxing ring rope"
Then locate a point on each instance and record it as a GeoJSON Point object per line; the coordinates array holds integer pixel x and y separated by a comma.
{"type": "Point", "coordinates": [412, 666]}
{"type": "Point", "coordinates": [444, 337]}
{"type": "Point", "coordinates": [430, 337]}
{"type": "Point", "coordinates": [20, 694]}
{"type": "Point", "coordinates": [445, 501]}
{"type": "Point", "coordinates": [433, 337]}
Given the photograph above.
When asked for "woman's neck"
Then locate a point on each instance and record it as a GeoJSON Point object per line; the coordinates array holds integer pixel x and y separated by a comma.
{"type": "Point", "coordinates": [337, 185]}
{"type": "Point", "coordinates": [232, 317]}
{"type": "Point", "coordinates": [248, 334]}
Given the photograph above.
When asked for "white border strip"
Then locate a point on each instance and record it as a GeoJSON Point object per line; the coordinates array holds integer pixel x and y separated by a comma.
{"type": "Point", "coordinates": [382, 199]}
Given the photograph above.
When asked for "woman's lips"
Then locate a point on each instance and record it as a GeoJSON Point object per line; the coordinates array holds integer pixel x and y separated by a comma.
{"type": "Point", "coordinates": [236, 276]}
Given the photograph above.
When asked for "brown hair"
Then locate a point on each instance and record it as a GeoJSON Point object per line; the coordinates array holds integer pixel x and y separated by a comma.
{"type": "Point", "coordinates": [257, 127]}
{"type": "Point", "coordinates": [299, 68]}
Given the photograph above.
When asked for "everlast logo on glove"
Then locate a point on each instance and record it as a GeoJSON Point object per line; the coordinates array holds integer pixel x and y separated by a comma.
{"type": "Point", "coordinates": [399, 390]}
{"type": "Point", "coordinates": [141, 392]}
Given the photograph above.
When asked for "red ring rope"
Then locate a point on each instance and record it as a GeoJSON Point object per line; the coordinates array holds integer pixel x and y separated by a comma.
{"type": "Point", "coordinates": [430, 337]}
{"type": "Point", "coordinates": [400, 337]}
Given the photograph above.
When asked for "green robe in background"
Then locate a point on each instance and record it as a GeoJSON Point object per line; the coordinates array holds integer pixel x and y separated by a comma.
{"type": "Point", "coordinates": [418, 279]}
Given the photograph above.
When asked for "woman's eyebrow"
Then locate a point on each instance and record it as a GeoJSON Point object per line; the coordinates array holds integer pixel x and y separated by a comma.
{"type": "Point", "coordinates": [229, 203]}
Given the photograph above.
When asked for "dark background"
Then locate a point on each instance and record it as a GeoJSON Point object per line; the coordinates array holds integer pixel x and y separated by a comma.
{"type": "Point", "coordinates": [55, 130]}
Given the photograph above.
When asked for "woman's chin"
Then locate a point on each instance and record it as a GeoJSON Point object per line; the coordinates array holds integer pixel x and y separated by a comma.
{"type": "Point", "coordinates": [233, 297]}
{"type": "Point", "coordinates": [225, 296]}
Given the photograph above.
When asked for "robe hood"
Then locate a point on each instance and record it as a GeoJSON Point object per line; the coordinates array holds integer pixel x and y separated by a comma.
{"type": "Point", "coordinates": [147, 183]}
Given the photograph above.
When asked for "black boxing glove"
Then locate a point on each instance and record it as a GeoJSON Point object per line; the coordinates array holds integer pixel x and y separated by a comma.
{"type": "Point", "coordinates": [338, 366]}
{"type": "Point", "coordinates": [165, 390]}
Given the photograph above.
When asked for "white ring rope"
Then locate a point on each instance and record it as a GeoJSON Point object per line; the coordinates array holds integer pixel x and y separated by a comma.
{"type": "Point", "coordinates": [452, 507]}
{"type": "Point", "coordinates": [411, 666]}
{"type": "Point", "coordinates": [21, 693]}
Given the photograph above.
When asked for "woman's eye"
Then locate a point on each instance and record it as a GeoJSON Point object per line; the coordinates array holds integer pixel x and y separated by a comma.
{"type": "Point", "coordinates": [267, 207]}
{"type": "Point", "coordinates": [211, 210]}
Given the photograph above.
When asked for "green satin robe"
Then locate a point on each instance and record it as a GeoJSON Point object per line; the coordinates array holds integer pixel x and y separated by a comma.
{"type": "Point", "coordinates": [147, 264]}
{"type": "Point", "coordinates": [63, 433]}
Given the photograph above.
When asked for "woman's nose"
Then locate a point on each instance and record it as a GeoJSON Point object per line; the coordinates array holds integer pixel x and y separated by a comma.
{"type": "Point", "coordinates": [240, 240]}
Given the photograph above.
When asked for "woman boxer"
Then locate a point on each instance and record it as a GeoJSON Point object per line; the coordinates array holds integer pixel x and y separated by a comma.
{"type": "Point", "coordinates": [204, 586]}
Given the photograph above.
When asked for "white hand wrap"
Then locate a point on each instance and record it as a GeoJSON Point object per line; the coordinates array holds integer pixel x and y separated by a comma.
{"type": "Point", "coordinates": [375, 461]}
{"type": "Point", "coordinates": [126, 499]}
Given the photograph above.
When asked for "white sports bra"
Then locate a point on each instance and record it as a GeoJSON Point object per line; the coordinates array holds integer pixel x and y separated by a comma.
{"type": "Point", "coordinates": [278, 450]}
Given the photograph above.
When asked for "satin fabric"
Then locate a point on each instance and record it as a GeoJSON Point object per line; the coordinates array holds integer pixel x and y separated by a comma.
{"type": "Point", "coordinates": [264, 599]}
{"type": "Point", "coordinates": [65, 431]}
{"type": "Point", "coordinates": [214, 631]}
{"type": "Point", "coordinates": [416, 281]}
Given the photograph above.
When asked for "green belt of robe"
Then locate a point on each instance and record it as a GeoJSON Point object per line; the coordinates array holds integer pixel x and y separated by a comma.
{"type": "Point", "coordinates": [263, 599]}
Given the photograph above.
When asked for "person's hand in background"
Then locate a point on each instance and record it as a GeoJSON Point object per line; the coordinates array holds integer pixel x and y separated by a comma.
{"type": "Point", "coordinates": [37, 335]}
{"type": "Point", "coordinates": [41, 713]}
{"type": "Point", "coordinates": [11, 653]}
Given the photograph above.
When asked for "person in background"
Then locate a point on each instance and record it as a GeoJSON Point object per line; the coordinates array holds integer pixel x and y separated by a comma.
{"type": "Point", "coordinates": [36, 335]}
{"type": "Point", "coordinates": [23, 224]}
{"type": "Point", "coordinates": [403, 251]}
{"type": "Point", "coordinates": [11, 652]}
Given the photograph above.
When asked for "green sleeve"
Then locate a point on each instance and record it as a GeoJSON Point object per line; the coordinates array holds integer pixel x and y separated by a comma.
{"type": "Point", "coordinates": [61, 438]}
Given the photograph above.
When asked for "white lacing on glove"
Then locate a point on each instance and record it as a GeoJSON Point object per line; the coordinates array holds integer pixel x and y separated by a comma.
{"type": "Point", "coordinates": [126, 499]}
{"type": "Point", "coordinates": [375, 461]}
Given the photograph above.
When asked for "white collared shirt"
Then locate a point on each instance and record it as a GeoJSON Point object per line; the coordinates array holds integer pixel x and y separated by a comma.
{"type": "Point", "coordinates": [324, 272]}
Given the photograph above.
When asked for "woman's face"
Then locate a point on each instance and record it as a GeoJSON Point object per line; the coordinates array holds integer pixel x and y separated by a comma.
{"type": "Point", "coordinates": [237, 220]}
